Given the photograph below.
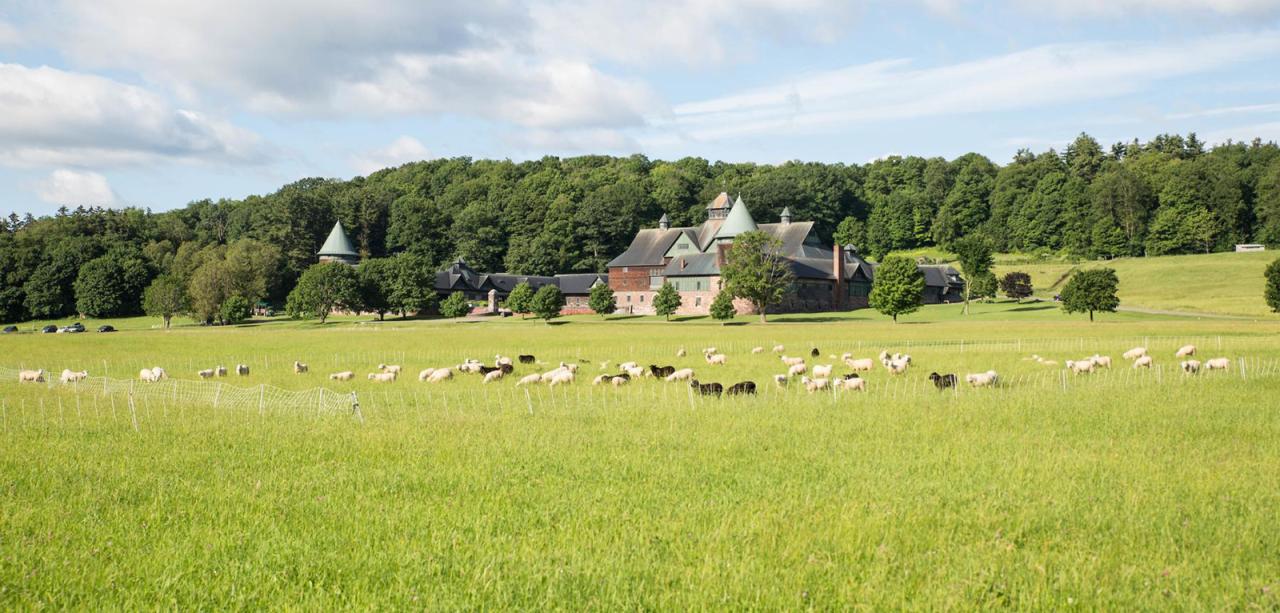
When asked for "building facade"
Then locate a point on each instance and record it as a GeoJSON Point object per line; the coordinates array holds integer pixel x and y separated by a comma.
{"type": "Point", "coordinates": [826, 278]}
{"type": "Point", "coordinates": [459, 277]}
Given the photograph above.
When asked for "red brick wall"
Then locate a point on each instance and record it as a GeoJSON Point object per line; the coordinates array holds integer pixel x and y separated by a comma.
{"type": "Point", "coordinates": [635, 279]}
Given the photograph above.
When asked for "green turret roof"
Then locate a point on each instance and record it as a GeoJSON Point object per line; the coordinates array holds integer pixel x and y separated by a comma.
{"type": "Point", "coordinates": [338, 244]}
{"type": "Point", "coordinates": [738, 221]}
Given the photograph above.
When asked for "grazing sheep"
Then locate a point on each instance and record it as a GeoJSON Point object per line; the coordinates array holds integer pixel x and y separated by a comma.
{"type": "Point", "coordinates": [717, 358]}
{"type": "Point", "coordinates": [982, 379]}
{"type": "Point", "coordinates": [601, 379]}
{"type": "Point", "coordinates": [1190, 367]}
{"type": "Point", "coordinates": [1101, 361]}
{"type": "Point", "coordinates": [499, 360]}
{"type": "Point", "coordinates": [145, 375]}
{"type": "Point", "coordinates": [1142, 362]}
{"type": "Point", "coordinates": [563, 377]}
{"type": "Point", "coordinates": [569, 367]}
{"type": "Point", "coordinates": [779, 348]}
{"type": "Point", "coordinates": [661, 371]}
{"type": "Point", "coordinates": [855, 384]}
{"type": "Point", "coordinates": [1185, 351]}
{"type": "Point", "coordinates": [471, 366]}
{"type": "Point", "coordinates": [635, 371]}
{"type": "Point", "coordinates": [619, 381]}
{"type": "Point", "coordinates": [814, 352]}
{"type": "Point", "coordinates": [529, 380]}
{"type": "Point", "coordinates": [206, 373]}
{"type": "Point", "coordinates": [813, 385]}
{"type": "Point", "coordinates": [494, 376]}
{"type": "Point", "coordinates": [345, 375]}
{"type": "Point", "coordinates": [862, 364]}
{"type": "Point", "coordinates": [550, 374]}
{"type": "Point", "coordinates": [441, 374]}
{"type": "Point", "coordinates": [755, 350]}
{"type": "Point", "coordinates": [395, 368]}
{"type": "Point", "coordinates": [31, 376]}
{"type": "Point", "coordinates": [242, 370]}
{"type": "Point", "coordinates": [780, 380]}
{"type": "Point", "coordinates": [896, 367]}
{"type": "Point", "coordinates": [424, 373]}
{"type": "Point", "coordinates": [683, 374]}
{"type": "Point", "coordinates": [152, 375]}
{"type": "Point", "coordinates": [506, 368]}
{"type": "Point", "coordinates": [884, 356]}
{"type": "Point", "coordinates": [943, 381]}
{"type": "Point", "coordinates": [797, 369]}
{"type": "Point", "coordinates": [1080, 367]}
{"type": "Point", "coordinates": [382, 377]}
{"type": "Point", "coordinates": [744, 388]}
{"type": "Point", "coordinates": [484, 370]}
{"type": "Point", "coordinates": [220, 371]}
{"type": "Point", "coordinates": [792, 361]}
{"type": "Point", "coordinates": [680, 352]}
{"type": "Point", "coordinates": [626, 366]}
{"type": "Point", "coordinates": [1217, 364]}
{"type": "Point", "coordinates": [822, 370]}
{"type": "Point", "coordinates": [1134, 353]}
{"type": "Point", "coordinates": [707, 389]}
{"type": "Point", "coordinates": [71, 376]}
{"type": "Point", "coordinates": [526, 359]}
{"type": "Point", "coordinates": [299, 368]}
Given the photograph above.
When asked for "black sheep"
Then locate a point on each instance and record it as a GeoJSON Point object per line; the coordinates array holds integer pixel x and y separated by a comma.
{"type": "Point", "coordinates": [707, 389]}
{"type": "Point", "coordinates": [943, 381]}
{"type": "Point", "coordinates": [506, 368]}
{"type": "Point", "coordinates": [526, 359]}
{"type": "Point", "coordinates": [815, 353]}
{"type": "Point", "coordinates": [661, 371]}
{"type": "Point", "coordinates": [745, 387]}
{"type": "Point", "coordinates": [852, 375]}
{"type": "Point", "coordinates": [484, 370]}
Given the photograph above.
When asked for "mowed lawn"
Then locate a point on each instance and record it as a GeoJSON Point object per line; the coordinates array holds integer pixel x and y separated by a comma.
{"type": "Point", "coordinates": [1122, 490]}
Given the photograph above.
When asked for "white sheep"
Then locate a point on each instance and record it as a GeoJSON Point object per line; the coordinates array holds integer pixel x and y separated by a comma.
{"type": "Point", "coordinates": [982, 379]}
{"type": "Point", "coordinates": [469, 367]}
{"type": "Point", "coordinates": [792, 361]}
{"type": "Point", "coordinates": [822, 370]}
{"type": "Point", "coordinates": [863, 364]}
{"type": "Point", "coordinates": [1080, 367]}
{"type": "Point", "coordinates": [220, 371]}
{"type": "Point", "coordinates": [1217, 364]}
{"type": "Point", "coordinates": [797, 369]}
{"type": "Point", "coordinates": [1185, 351]}
{"type": "Point", "coordinates": [159, 373]}
{"type": "Point", "coordinates": [813, 385]}
{"type": "Point", "coordinates": [857, 384]}
{"type": "Point", "coordinates": [345, 375]}
{"type": "Point", "coordinates": [717, 358]}
{"type": "Point", "coordinates": [563, 377]}
{"type": "Point", "coordinates": [1101, 361]}
{"type": "Point", "coordinates": [569, 367]}
{"type": "Point", "coordinates": [501, 360]}
{"type": "Point", "coordinates": [779, 348]}
{"type": "Point", "coordinates": [440, 374]}
{"type": "Point", "coordinates": [1190, 367]}
{"type": "Point", "coordinates": [1134, 353]}
{"type": "Point", "coordinates": [493, 375]}
{"type": "Point", "coordinates": [424, 373]}
{"type": "Point", "coordinates": [780, 380]}
{"type": "Point", "coordinates": [619, 381]}
{"type": "Point", "coordinates": [31, 376]}
{"type": "Point", "coordinates": [627, 366]}
{"type": "Point", "coordinates": [680, 353]}
{"type": "Point", "coordinates": [1142, 362]}
{"type": "Point", "coordinates": [636, 371]}
{"type": "Point", "coordinates": [206, 373]}
{"type": "Point", "coordinates": [382, 377]}
{"type": "Point", "coordinates": [71, 376]}
{"type": "Point", "coordinates": [684, 374]}
{"type": "Point", "coordinates": [601, 379]}
{"type": "Point", "coordinates": [242, 369]}
{"type": "Point", "coordinates": [299, 368]}
{"type": "Point", "coordinates": [896, 367]}
{"type": "Point", "coordinates": [529, 380]}
{"type": "Point", "coordinates": [755, 350]}
{"type": "Point", "coordinates": [395, 368]}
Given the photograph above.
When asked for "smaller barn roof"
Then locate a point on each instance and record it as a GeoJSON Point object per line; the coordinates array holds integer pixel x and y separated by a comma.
{"type": "Point", "coordinates": [580, 283]}
{"type": "Point", "coordinates": [337, 244]}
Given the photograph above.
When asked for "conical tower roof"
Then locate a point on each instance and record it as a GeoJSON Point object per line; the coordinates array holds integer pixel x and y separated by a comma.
{"type": "Point", "coordinates": [338, 244]}
{"type": "Point", "coordinates": [738, 221]}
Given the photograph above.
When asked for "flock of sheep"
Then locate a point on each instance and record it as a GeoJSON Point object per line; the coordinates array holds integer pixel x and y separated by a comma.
{"type": "Point", "coordinates": [824, 376]}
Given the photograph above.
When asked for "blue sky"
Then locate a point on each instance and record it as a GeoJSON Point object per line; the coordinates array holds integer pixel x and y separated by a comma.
{"type": "Point", "coordinates": [155, 103]}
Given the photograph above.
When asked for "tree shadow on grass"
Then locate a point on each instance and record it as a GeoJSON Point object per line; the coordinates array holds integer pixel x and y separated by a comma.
{"type": "Point", "coordinates": [818, 319]}
{"type": "Point", "coordinates": [622, 317]}
{"type": "Point", "coordinates": [1043, 307]}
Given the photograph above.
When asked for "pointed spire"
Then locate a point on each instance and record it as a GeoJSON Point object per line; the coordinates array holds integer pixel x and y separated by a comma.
{"type": "Point", "coordinates": [786, 215]}
{"type": "Point", "coordinates": [338, 245]}
{"type": "Point", "coordinates": [737, 221]}
{"type": "Point", "coordinates": [665, 222]}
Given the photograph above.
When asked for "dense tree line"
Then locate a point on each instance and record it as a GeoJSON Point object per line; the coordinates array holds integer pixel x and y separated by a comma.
{"type": "Point", "coordinates": [553, 215]}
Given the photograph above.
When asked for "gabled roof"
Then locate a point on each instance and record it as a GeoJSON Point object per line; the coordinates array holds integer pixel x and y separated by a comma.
{"type": "Point", "coordinates": [337, 244]}
{"type": "Point", "coordinates": [580, 283]}
{"type": "Point", "coordinates": [694, 265]}
{"type": "Point", "coordinates": [721, 201]}
{"type": "Point", "coordinates": [738, 221]}
{"type": "Point", "coordinates": [648, 247]}
{"type": "Point", "coordinates": [792, 236]}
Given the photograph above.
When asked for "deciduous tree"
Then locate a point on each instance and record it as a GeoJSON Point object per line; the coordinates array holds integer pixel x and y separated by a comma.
{"type": "Point", "coordinates": [321, 289]}
{"type": "Point", "coordinates": [897, 288]}
{"type": "Point", "coordinates": [547, 302]}
{"type": "Point", "coordinates": [666, 301]}
{"type": "Point", "coordinates": [602, 300]}
{"type": "Point", "coordinates": [1091, 290]}
{"type": "Point", "coordinates": [756, 271]}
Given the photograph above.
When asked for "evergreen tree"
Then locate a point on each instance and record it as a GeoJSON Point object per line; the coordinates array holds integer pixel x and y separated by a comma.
{"type": "Point", "coordinates": [898, 287]}
{"type": "Point", "coordinates": [1091, 290]}
{"type": "Point", "coordinates": [164, 298]}
{"type": "Point", "coordinates": [455, 306]}
{"type": "Point", "coordinates": [1272, 293]}
{"type": "Point", "coordinates": [722, 308]}
{"type": "Point", "coordinates": [601, 300]}
{"type": "Point", "coordinates": [321, 289]}
{"type": "Point", "coordinates": [1016, 285]}
{"type": "Point", "coordinates": [756, 271]}
{"type": "Point", "coordinates": [547, 302]}
{"type": "Point", "coordinates": [520, 300]}
{"type": "Point", "coordinates": [666, 301]}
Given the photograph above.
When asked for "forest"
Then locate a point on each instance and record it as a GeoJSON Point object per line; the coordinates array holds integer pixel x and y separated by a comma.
{"type": "Point", "coordinates": [1169, 195]}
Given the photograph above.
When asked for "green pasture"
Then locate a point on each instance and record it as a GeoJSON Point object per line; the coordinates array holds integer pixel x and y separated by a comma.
{"type": "Point", "coordinates": [1121, 490]}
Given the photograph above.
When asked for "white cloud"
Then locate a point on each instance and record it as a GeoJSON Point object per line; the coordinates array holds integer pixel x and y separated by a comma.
{"type": "Point", "coordinates": [54, 117]}
{"type": "Point", "coordinates": [400, 151]}
{"type": "Point", "coordinates": [894, 90]}
{"type": "Point", "coordinates": [1226, 110]}
{"type": "Point", "coordinates": [1117, 8]}
{"type": "Point", "coordinates": [73, 188]}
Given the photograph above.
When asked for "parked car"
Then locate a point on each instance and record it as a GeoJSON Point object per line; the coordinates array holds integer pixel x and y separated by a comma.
{"type": "Point", "coordinates": [106, 329]}
{"type": "Point", "coordinates": [72, 328]}
{"type": "Point", "coordinates": [10, 329]}
{"type": "Point", "coordinates": [49, 329]}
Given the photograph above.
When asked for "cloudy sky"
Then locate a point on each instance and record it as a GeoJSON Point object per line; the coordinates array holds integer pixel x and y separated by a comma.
{"type": "Point", "coordinates": [158, 102]}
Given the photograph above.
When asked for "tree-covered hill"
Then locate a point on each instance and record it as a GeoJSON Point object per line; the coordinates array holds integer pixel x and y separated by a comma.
{"type": "Point", "coordinates": [1168, 195]}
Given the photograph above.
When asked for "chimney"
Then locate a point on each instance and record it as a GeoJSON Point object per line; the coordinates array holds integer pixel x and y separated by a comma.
{"type": "Point", "coordinates": [664, 223]}
{"type": "Point", "coordinates": [837, 270]}
{"type": "Point", "coordinates": [786, 215]}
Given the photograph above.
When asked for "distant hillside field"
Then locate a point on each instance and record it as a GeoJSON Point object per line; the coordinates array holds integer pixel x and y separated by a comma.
{"type": "Point", "coordinates": [1217, 283]}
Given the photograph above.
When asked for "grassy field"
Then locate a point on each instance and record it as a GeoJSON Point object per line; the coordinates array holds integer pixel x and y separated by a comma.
{"type": "Point", "coordinates": [1121, 490]}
